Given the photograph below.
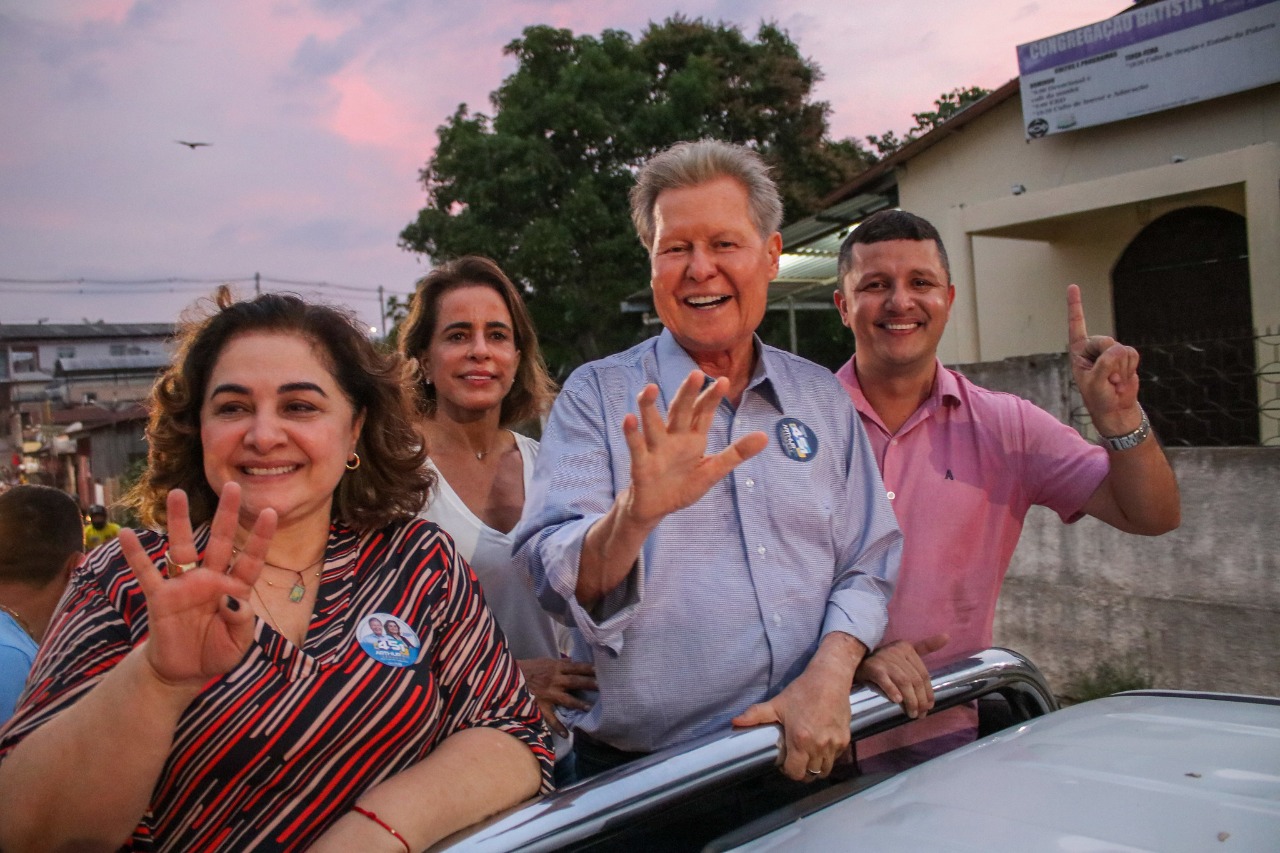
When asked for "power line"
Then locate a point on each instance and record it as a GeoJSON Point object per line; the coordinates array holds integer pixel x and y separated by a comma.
{"type": "Point", "coordinates": [173, 284]}
{"type": "Point", "coordinates": [170, 280]}
{"type": "Point", "coordinates": [325, 285]}
{"type": "Point", "coordinates": [231, 279]}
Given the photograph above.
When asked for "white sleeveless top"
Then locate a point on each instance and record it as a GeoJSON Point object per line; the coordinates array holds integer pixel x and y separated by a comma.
{"type": "Point", "coordinates": [509, 593]}
{"type": "Point", "coordinates": [530, 632]}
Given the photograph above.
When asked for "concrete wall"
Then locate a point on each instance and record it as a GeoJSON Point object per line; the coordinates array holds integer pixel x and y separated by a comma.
{"type": "Point", "coordinates": [1197, 609]}
{"type": "Point", "coordinates": [1044, 379]}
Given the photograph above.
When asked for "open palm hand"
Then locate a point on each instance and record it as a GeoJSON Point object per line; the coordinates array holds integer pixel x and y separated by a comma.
{"type": "Point", "coordinates": [200, 623]}
{"type": "Point", "coordinates": [670, 466]}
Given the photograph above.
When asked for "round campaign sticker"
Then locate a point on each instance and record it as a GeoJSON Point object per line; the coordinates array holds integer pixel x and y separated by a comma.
{"type": "Point", "coordinates": [388, 639]}
{"type": "Point", "coordinates": [797, 440]}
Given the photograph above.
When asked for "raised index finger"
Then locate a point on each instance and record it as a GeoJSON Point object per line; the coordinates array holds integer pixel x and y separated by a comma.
{"type": "Point", "coordinates": [1076, 330]}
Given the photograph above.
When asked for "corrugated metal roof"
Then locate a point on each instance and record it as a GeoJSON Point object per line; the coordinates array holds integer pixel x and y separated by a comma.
{"type": "Point", "coordinates": [73, 331]}
{"type": "Point", "coordinates": [112, 363]}
{"type": "Point", "coordinates": [832, 220]}
{"type": "Point", "coordinates": [133, 412]}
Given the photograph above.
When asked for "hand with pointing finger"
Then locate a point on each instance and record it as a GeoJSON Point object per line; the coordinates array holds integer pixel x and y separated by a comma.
{"type": "Point", "coordinates": [1106, 372]}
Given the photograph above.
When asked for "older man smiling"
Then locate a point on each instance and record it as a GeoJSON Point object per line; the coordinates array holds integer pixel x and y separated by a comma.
{"type": "Point", "coordinates": [708, 515]}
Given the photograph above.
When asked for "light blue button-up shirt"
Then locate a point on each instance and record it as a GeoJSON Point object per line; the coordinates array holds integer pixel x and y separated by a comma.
{"type": "Point", "coordinates": [730, 596]}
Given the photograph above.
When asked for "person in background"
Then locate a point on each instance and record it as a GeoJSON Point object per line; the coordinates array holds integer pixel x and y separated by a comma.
{"type": "Point", "coordinates": [99, 529]}
{"type": "Point", "coordinates": [203, 686]}
{"type": "Point", "coordinates": [482, 373]}
{"type": "Point", "coordinates": [40, 545]}
{"type": "Point", "coordinates": [963, 465]}
{"type": "Point", "coordinates": [707, 513]}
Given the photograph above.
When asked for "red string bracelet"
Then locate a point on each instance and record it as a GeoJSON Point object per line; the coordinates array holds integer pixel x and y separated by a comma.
{"type": "Point", "coordinates": [382, 823]}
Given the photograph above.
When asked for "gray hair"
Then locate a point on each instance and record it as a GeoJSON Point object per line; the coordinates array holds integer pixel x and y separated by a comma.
{"type": "Point", "coordinates": [688, 164]}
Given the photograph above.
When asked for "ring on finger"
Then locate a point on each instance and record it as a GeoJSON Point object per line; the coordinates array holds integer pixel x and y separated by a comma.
{"type": "Point", "coordinates": [182, 568]}
{"type": "Point", "coordinates": [813, 772]}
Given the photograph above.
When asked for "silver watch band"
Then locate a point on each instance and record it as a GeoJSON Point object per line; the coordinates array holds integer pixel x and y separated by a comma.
{"type": "Point", "coordinates": [1129, 440]}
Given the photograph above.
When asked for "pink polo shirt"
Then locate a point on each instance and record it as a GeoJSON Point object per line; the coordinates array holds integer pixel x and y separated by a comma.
{"type": "Point", "coordinates": [961, 474]}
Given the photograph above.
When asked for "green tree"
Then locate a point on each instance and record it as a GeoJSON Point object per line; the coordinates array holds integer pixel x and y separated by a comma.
{"type": "Point", "coordinates": [946, 106]}
{"type": "Point", "coordinates": [541, 185]}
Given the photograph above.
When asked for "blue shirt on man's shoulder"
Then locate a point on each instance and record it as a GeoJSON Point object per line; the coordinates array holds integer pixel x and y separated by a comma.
{"type": "Point", "coordinates": [17, 653]}
{"type": "Point", "coordinates": [731, 595]}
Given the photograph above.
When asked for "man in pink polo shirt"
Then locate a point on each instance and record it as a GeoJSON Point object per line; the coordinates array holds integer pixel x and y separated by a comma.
{"type": "Point", "coordinates": [962, 465]}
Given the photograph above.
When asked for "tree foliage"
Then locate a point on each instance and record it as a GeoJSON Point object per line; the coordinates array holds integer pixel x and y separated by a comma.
{"type": "Point", "coordinates": [541, 184]}
{"type": "Point", "coordinates": [946, 106]}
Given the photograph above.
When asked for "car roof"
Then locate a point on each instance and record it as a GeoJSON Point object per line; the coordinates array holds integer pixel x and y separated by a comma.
{"type": "Point", "coordinates": [602, 812]}
{"type": "Point", "coordinates": [1150, 770]}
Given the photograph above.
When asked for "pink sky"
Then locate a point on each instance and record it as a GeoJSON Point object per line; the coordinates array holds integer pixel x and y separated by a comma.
{"type": "Point", "coordinates": [321, 113]}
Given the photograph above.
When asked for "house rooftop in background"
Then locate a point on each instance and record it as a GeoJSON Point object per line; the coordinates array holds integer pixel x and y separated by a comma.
{"type": "Point", "coordinates": [71, 399]}
{"type": "Point", "coordinates": [23, 332]}
{"type": "Point", "coordinates": [57, 365]}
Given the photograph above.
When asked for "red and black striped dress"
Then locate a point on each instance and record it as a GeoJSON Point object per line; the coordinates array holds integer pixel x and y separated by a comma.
{"type": "Point", "coordinates": [271, 754]}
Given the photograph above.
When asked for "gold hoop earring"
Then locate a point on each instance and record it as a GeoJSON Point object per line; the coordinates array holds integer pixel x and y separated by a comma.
{"type": "Point", "coordinates": [354, 462]}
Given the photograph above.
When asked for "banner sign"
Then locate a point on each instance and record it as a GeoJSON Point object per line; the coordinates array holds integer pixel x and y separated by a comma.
{"type": "Point", "coordinates": [1148, 59]}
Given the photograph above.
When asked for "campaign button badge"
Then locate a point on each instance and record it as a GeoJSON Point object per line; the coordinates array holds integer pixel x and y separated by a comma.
{"type": "Point", "coordinates": [388, 639]}
{"type": "Point", "coordinates": [797, 440]}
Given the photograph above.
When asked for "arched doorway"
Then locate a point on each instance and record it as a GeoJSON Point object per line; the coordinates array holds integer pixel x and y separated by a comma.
{"type": "Point", "coordinates": [1181, 296]}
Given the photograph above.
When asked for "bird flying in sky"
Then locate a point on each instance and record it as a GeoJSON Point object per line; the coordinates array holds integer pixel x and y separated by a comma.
{"type": "Point", "coordinates": [192, 145]}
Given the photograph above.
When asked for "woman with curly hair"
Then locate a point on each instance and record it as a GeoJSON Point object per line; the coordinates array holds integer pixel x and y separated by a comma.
{"type": "Point", "coordinates": [202, 686]}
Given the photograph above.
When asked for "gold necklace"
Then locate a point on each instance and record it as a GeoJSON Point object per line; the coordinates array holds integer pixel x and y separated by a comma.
{"type": "Point", "coordinates": [22, 623]}
{"type": "Point", "coordinates": [299, 589]}
{"type": "Point", "coordinates": [271, 619]}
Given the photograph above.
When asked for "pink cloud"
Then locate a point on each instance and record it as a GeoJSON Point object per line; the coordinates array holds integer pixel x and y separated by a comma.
{"type": "Point", "coordinates": [364, 115]}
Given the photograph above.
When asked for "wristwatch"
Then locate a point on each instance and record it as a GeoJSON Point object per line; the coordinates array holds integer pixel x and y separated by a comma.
{"type": "Point", "coordinates": [1129, 440]}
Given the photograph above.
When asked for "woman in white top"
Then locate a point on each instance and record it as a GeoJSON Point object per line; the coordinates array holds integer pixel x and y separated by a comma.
{"type": "Point", "coordinates": [482, 372]}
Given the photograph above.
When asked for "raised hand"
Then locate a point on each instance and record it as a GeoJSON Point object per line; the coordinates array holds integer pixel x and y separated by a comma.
{"type": "Point", "coordinates": [670, 470]}
{"type": "Point", "coordinates": [1140, 492]}
{"type": "Point", "coordinates": [670, 467]}
{"type": "Point", "coordinates": [1105, 371]}
{"type": "Point", "coordinates": [200, 621]}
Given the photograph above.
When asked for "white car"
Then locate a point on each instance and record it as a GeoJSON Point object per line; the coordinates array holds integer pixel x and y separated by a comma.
{"type": "Point", "coordinates": [1147, 770]}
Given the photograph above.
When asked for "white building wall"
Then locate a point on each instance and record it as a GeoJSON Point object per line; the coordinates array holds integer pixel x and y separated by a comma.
{"type": "Point", "coordinates": [1087, 195]}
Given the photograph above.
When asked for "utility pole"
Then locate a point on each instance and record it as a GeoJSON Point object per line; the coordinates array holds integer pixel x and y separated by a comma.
{"type": "Point", "coordinates": [257, 284]}
{"type": "Point", "coordinates": [382, 310]}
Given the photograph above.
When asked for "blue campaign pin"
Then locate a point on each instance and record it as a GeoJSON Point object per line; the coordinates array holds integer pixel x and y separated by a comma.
{"type": "Point", "coordinates": [797, 440]}
{"type": "Point", "coordinates": [388, 639]}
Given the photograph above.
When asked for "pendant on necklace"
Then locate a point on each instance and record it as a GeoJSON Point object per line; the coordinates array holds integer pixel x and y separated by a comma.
{"type": "Point", "coordinates": [297, 591]}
